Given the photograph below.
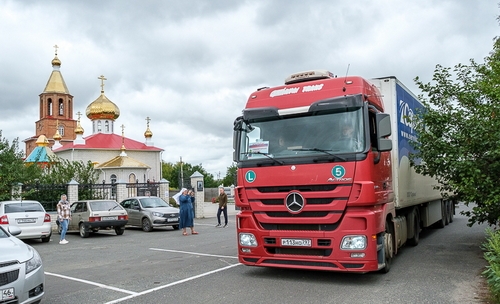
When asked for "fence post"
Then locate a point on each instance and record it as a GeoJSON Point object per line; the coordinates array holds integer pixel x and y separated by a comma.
{"type": "Point", "coordinates": [16, 191]}
{"type": "Point", "coordinates": [72, 191]}
{"type": "Point", "coordinates": [121, 191]}
{"type": "Point", "coordinates": [164, 194]}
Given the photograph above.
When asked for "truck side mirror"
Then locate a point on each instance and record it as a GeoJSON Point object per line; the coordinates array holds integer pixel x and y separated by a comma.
{"type": "Point", "coordinates": [383, 121]}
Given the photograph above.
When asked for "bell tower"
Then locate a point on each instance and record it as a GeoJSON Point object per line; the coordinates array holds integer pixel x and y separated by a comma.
{"type": "Point", "coordinates": [56, 110]}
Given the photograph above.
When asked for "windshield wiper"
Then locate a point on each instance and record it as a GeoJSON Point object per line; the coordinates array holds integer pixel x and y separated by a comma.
{"type": "Point", "coordinates": [266, 155]}
{"type": "Point", "coordinates": [320, 150]}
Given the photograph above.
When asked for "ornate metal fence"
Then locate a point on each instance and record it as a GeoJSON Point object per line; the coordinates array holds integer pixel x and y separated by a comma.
{"type": "Point", "coordinates": [142, 189]}
{"type": "Point", "coordinates": [96, 191]}
{"type": "Point", "coordinates": [47, 195]}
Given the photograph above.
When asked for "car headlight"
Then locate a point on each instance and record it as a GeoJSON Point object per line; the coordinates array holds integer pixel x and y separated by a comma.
{"type": "Point", "coordinates": [34, 262]}
{"type": "Point", "coordinates": [248, 239]}
{"type": "Point", "coordinates": [353, 242]}
{"type": "Point", "coordinates": [157, 214]}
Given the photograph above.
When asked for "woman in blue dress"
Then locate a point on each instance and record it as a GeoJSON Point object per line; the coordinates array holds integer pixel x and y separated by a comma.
{"type": "Point", "coordinates": [186, 212]}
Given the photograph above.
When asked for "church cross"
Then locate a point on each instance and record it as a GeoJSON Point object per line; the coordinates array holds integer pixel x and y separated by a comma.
{"type": "Point", "coordinates": [148, 119]}
{"type": "Point", "coordinates": [56, 47]}
{"type": "Point", "coordinates": [102, 82]}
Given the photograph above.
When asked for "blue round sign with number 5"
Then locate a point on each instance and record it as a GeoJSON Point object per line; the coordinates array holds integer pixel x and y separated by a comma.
{"type": "Point", "coordinates": [338, 171]}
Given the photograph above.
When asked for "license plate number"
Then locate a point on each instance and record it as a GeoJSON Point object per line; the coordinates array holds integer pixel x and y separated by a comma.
{"type": "Point", "coordinates": [109, 218]}
{"type": "Point", "coordinates": [172, 219]}
{"type": "Point", "coordinates": [8, 294]}
{"type": "Point", "coordinates": [296, 242]}
{"type": "Point", "coordinates": [27, 220]}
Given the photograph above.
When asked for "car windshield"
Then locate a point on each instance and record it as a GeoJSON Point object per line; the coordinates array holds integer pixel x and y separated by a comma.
{"type": "Point", "coordinates": [23, 207]}
{"type": "Point", "coordinates": [153, 202]}
{"type": "Point", "coordinates": [103, 205]}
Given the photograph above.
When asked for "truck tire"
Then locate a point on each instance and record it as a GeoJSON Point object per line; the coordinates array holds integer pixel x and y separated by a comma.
{"type": "Point", "coordinates": [416, 228]}
{"type": "Point", "coordinates": [388, 246]}
{"type": "Point", "coordinates": [442, 222]}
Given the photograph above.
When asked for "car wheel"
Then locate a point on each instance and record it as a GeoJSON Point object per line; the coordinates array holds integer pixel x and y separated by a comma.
{"type": "Point", "coordinates": [146, 225]}
{"type": "Point", "coordinates": [46, 239]}
{"type": "Point", "coordinates": [119, 230]}
{"type": "Point", "coordinates": [176, 227]}
{"type": "Point", "coordinates": [84, 232]}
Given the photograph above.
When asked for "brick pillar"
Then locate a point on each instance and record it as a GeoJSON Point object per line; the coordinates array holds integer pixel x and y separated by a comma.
{"type": "Point", "coordinates": [72, 191]}
{"type": "Point", "coordinates": [164, 193]}
{"type": "Point", "coordinates": [121, 191]}
{"type": "Point", "coordinates": [199, 190]}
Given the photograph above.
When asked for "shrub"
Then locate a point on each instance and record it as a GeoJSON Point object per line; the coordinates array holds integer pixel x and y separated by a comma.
{"type": "Point", "coordinates": [492, 255]}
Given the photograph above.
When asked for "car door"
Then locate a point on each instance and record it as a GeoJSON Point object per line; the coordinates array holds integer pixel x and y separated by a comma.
{"type": "Point", "coordinates": [78, 210]}
{"type": "Point", "coordinates": [132, 207]}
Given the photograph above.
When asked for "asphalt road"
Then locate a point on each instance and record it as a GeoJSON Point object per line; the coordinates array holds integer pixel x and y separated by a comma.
{"type": "Point", "coordinates": [165, 267]}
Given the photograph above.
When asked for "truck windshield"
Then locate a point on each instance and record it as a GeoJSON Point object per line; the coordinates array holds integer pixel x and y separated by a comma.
{"type": "Point", "coordinates": [311, 135]}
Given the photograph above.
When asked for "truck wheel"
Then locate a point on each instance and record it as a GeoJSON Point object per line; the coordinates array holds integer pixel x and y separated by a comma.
{"type": "Point", "coordinates": [146, 225]}
{"type": "Point", "coordinates": [416, 228]}
{"type": "Point", "coordinates": [119, 230]}
{"type": "Point", "coordinates": [84, 232]}
{"type": "Point", "coordinates": [388, 246]}
{"type": "Point", "coordinates": [442, 222]}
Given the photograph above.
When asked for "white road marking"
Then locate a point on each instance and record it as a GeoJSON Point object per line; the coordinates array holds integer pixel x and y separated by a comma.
{"type": "Point", "coordinates": [171, 284]}
{"type": "Point", "coordinates": [92, 283]}
{"type": "Point", "coordinates": [195, 253]}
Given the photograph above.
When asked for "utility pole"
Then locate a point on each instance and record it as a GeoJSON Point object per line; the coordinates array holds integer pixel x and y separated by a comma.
{"type": "Point", "coordinates": [182, 176]}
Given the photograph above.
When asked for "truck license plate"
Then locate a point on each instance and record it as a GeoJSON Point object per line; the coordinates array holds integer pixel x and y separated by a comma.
{"type": "Point", "coordinates": [296, 242]}
{"type": "Point", "coordinates": [8, 294]}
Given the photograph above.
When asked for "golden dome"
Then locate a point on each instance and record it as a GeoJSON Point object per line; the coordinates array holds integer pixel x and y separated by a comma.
{"type": "Point", "coordinates": [57, 136]}
{"type": "Point", "coordinates": [42, 141]}
{"type": "Point", "coordinates": [56, 61]}
{"type": "Point", "coordinates": [148, 133]}
{"type": "Point", "coordinates": [78, 129]}
{"type": "Point", "coordinates": [102, 108]}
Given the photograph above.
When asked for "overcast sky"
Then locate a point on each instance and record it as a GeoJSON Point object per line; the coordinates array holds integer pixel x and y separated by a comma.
{"type": "Point", "coordinates": [190, 65]}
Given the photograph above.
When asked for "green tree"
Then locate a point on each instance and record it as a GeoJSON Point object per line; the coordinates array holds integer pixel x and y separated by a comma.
{"type": "Point", "coordinates": [63, 171]}
{"type": "Point", "coordinates": [12, 167]}
{"type": "Point", "coordinates": [459, 134]}
{"type": "Point", "coordinates": [230, 178]}
{"type": "Point", "coordinates": [172, 173]}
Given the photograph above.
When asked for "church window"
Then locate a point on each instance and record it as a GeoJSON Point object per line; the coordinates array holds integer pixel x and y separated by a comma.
{"type": "Point", "coordinates": [61, 130]}
{"type": "Point", "coordinates": [49, 107]}
{"type": "Point", "coordinates": [99, 127]}
{"type": "Point", "coordinates": [113, 178]}
{"type": "Point", "coordinates": [106, 124]}
{"type": "Point", "coordinates": [61, 107]}
{"type": "Point", "coordinates": [131, 178]}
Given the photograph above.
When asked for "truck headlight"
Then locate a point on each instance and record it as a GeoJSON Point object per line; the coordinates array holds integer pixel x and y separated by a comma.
{"type": "Point", "coordinates": [34, 262]}
{"type": "Point", "coordinates": [248, 239]}
{"type": "Point", "coordinates": [353, 242]}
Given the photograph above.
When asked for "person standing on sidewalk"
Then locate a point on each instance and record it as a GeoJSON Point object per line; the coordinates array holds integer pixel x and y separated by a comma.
{"type": "Point", "coordinates": [64, 216]}
{"type": "Point", "coordinates": [222, 200]}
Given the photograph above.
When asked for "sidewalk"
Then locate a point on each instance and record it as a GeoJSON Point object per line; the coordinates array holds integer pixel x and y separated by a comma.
{"type": "Point", "coordinates": [210, 210]}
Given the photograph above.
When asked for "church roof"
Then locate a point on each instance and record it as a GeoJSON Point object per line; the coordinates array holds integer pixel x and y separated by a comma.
{"type": "Point", "coordinates": [122, 162]}
{"type": "Point", "coordinates": [42, 153]}
{"type": "Point", "coordinates": [103, 141]}
{"type": "Point", "coordinates": [56, 82]}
